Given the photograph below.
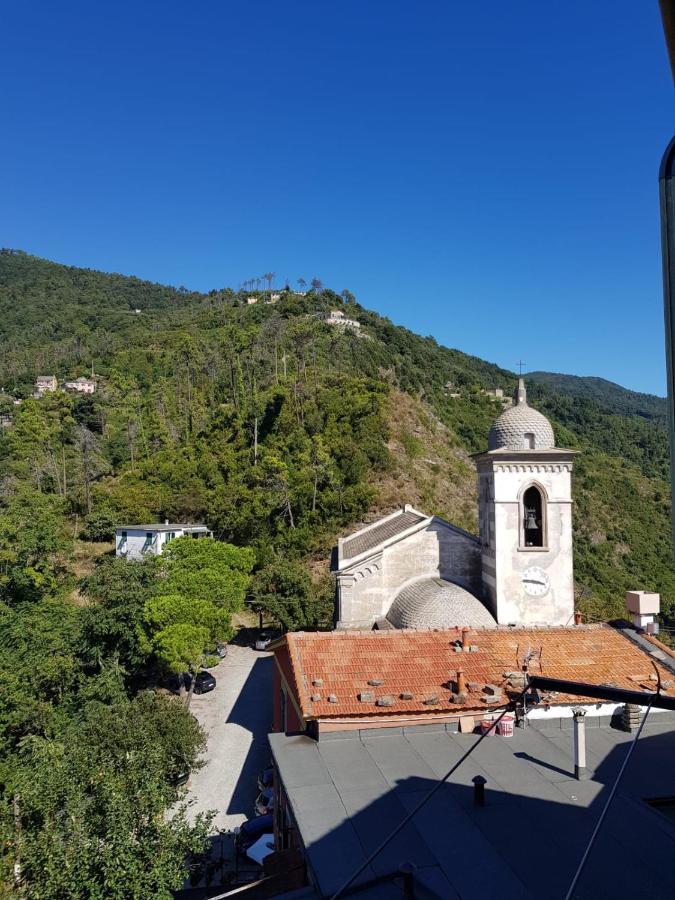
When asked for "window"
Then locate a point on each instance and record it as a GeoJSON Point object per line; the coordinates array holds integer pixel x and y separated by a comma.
{"type": "Point", "coordinates": [529, 441]}
{"type": "Point", "coordinates": [532, 516]}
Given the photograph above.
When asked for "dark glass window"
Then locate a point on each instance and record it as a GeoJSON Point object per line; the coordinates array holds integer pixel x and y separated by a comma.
{"type": "Point", "coordinates": [533, 519]}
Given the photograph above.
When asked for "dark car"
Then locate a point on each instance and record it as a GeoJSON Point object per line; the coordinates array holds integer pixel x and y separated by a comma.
{"type": "Point", "coordinates": [204, 682]}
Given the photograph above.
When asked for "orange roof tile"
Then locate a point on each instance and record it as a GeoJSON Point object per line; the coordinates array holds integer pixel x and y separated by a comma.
{"type": "Point", "coordinates": [424, 663]}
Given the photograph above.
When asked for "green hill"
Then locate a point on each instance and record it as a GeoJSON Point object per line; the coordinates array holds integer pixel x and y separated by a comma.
{"type": "Point", "coordinates": [609, 396]}
{"type": "Point", "coordinates": [281, 432]}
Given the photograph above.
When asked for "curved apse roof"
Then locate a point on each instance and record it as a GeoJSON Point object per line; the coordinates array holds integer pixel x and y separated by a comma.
{"type": "Point", "coordinates": [436, 603]}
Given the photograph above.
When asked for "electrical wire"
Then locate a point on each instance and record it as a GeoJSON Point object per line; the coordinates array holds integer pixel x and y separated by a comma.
{"type": "Point", "coordinates": [510, 706]}
{"type": "Point", "coordinates": [601, 817]}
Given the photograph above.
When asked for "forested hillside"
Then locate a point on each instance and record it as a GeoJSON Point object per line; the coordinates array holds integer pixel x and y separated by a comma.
{"type": "Point", "coordinates": [275, 429]}
{"type": "Point", "coordinates": [279, 432]}
{"type": "Point", "coordinates": [609, 396]}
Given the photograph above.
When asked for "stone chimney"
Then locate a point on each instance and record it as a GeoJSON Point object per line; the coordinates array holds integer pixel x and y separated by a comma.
{"type": "Point", "coordinates": [642, 607]}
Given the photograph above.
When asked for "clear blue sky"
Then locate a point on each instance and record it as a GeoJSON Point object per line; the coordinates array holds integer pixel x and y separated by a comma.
{"type": "Point", "coordinates": [482, 172]}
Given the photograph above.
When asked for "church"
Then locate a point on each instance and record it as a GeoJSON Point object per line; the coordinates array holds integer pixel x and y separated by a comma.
{"type": "Point", "coordinates": [411, 570]}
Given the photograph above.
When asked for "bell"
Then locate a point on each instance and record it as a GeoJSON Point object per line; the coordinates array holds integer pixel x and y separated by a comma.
{"type": "Point", "coordinates": [530, 520]}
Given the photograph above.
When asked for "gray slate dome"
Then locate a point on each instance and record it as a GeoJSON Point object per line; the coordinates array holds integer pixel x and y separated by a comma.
{"type": "Point", "coordinates": [521, 428]}
{"type": "Point", "coordinates": [436, 603]}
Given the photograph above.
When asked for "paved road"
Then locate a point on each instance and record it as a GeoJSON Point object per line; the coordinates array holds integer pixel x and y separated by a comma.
{"type": "Point", "coordinates": [236, 717]}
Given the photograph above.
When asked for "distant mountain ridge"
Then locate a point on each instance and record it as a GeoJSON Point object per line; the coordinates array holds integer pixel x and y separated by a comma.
{"type": "Point", "coordinates": [612, 397]}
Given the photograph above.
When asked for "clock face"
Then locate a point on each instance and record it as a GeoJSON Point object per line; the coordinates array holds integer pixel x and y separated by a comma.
{"type": "Point", "coordinates": [536, 582]}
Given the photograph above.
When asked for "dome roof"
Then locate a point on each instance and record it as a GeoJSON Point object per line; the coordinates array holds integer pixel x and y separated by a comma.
{"type": "Point", "coordinates": [521, 428]}
{"type": "Point", "coordinates": [436, 603]}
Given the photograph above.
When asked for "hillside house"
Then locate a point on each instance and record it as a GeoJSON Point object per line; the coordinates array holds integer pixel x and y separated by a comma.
{"type": "Point", "coordinates": [139, 541]}
{"type": "Point", "coordinates": [251, 301]}
{"type": "Point", "coordinates": [338, 319]}
{"type": "Point", "coordinates": [5, 421]}
{"type": "Point", "coordinates": [45, 384]}
{"type": "Point", "coordinates": [81, 385]}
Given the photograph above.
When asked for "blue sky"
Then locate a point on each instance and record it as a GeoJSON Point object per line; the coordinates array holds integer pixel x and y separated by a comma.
{"type": "Point", "coordinates": [482, 172]}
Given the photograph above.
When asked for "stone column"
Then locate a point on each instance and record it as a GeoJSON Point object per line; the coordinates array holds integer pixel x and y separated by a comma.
{"type": "Point", "coordinates": [580, 770]}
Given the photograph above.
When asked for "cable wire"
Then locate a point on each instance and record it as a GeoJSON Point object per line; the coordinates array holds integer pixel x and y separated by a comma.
{"type": "Point", "coordinates": [601, 818]}
{"type": "Point", "coordinates": [425, 799]}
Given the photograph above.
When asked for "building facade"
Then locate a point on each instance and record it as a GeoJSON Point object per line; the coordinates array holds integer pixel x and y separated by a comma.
{"type": "Point", "coordinates": [81, 385]}
{"type": "Point", "coordinates": [410, 570]}
{"type": "Point", "coordinates": [138, 541]}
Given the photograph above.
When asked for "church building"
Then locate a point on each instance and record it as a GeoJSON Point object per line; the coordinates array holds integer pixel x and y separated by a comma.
{"type": "Point", "coordinates": [410, 570]}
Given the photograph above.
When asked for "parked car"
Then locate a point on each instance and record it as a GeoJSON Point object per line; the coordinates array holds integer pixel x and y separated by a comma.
{"type": "Point", "coordinates": [264, 803]}
{"type": "Point", "coordinates": [249, 832]}
{"type": "Point", "coordinates": [204, 682]}
{"type": "Point", "coordinates": [264, 639]}
{"type": "Point", "coordinates": [221, 650]}
{"type": "Point", "coordinates": [180, 778]}
{"type": "Point", "coordinates": [265, 778]}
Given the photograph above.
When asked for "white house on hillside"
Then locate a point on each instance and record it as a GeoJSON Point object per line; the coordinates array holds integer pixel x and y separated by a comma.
{"type": "Point", "coordinates": [81, 385]}
{"type": "Point", "coordinates": [45, 384]}
{"type": "Point", "coordinates": [337, 318]}
{"type": "Point", "coordinates": [137, 541]}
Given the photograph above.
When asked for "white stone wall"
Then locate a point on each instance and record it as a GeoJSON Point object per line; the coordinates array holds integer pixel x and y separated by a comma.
{"type": "Point", "coordinates": [136, 541]}
{"type": "Point", "coordinates": [366, 590]}
{"type": "Point", "coordinates": [512, 603]}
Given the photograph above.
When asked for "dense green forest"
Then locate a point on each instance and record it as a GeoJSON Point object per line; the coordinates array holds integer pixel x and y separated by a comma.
{"type": "Point", "coordinates": [280, 433]}
{"type": "Point", "coordinates": [609, 396]}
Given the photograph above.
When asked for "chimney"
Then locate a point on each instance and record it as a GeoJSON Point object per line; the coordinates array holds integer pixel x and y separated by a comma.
{"type": "Point", "coordinates": [166, 521]}
{"type": "Point", "coordinates": [578, 619]}
{"type": "Point", "coordinates": [479, 790]}
{"type": "Point", "coordinates": [465, 638]}
{"type": "Point", "coordinates": [642, 607]}
{"type": "Point", "coordinates": [461, 683]}
{"type": "Point", "coordinates": [580, 771]}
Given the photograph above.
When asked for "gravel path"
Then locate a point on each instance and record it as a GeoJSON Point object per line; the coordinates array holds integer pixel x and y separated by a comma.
{"type": "Point", "coordinates": [236, 717]}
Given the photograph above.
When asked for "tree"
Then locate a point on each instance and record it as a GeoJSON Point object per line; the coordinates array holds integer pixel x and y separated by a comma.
{"type": "Point", "coordinates": [180, 648]}
{"type": "Point", "coordinates": [316, 284]}
{"type": "Point", "coordinates": [99, 524]}
{"type": "Point", "coordinates": [269, 278]}
{"type": "Point", "coordinates": [302, 284]}
{"type": "Point", "coordinates": [283, 590]}
{"type": "Point", "coordinates": [207, 570]}
{"type": "Point", "coordinates": [32, 545]}
{"type": "Point", "coordinates": [83, 812]}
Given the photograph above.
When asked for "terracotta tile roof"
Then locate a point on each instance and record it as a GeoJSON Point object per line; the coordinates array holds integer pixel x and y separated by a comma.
{"type": "Point", "coordinates": [378, 533]}
{"type": "Point", "coordinates": [423, 663]}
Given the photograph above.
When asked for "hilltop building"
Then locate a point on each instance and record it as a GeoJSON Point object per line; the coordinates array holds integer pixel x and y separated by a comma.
{"type": "Point", "coordinates": [338, 319]}
{"type": "Point", "coordinates": [139, 541]}
{"type": "Point", "coordinates": [81, 385]}
{"type": "Point", "coordinates": [251, 301]}
{"type": "Point", "coordinates": [45, 384]}
{"type": "Point", "coordinates": [411, 570]}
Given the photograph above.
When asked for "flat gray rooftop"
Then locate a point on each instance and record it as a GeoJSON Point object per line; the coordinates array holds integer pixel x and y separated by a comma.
{"type": "Point", "coordinates": [350, 789]}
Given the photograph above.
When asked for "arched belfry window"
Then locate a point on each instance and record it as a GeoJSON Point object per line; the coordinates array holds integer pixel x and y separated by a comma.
{"type": "Point", "coordinates": [533, 517]}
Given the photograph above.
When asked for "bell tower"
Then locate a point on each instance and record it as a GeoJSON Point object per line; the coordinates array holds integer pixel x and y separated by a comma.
{"type": "Point", "coordinates": [525, 514]}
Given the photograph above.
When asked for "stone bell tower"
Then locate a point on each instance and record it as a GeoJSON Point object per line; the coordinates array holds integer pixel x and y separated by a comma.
{"type": "Point", "coordinates": [525, 514]}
